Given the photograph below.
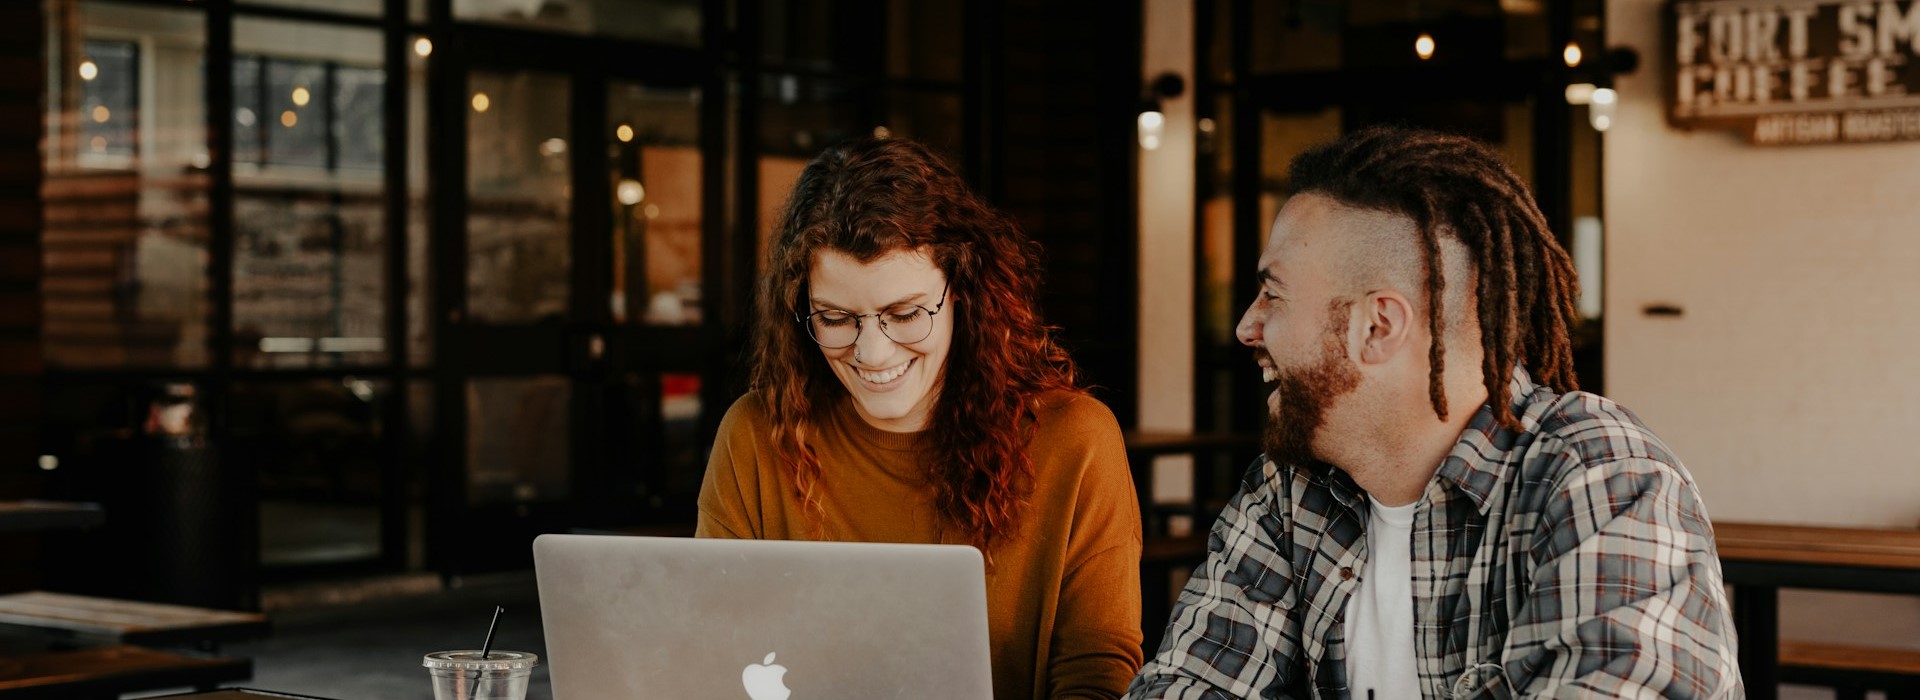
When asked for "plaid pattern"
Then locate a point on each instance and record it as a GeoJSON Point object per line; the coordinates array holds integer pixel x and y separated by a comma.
{"type": "Point", "coordinates": [1571, 559]}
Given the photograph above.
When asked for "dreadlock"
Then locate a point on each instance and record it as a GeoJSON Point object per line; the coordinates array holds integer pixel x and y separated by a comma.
{"type": "Point", "coordinates": [1457, 187]}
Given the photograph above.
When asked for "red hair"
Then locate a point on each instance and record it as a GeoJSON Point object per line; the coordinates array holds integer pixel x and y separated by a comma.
{"type": "Point", "coordinates": [870, 197]}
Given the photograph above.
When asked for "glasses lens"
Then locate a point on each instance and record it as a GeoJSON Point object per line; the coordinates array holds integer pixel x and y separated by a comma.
{"type": "Point", "coordinates": [833, 329]}
{"type": "Point", "coordinates": [908, 325]}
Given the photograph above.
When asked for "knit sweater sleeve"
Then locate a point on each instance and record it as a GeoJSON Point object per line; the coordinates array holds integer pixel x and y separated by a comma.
{"type": "Point", "coordinates": [1095, 648]}
{"type": "Point", "coordinates": [730, 492]}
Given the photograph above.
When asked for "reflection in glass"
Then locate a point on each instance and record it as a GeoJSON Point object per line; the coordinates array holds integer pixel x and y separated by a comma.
{"type": "Point", "coordinates": [518, 446]}
{"type": "Point", "coordinates": [931, 117]}
{"type": "Point", "coordinates": [519, 202]}
{"type": "Point", "coordinates": [297, 124]}
{"type": "Point", "coordinates": [659, 458]}
{"type": "Point", "coordinates": [310, 253]}
{"type": "Point", "coordinates": [924, 39]}
{"type": "Point", "coordinates": [800, 116]}
{"type": "Point", "coordinates": [349, 7]}
{"type": "Point", "coordinates": [250, 127]}
{"type": "Point", "coordinates": [125, 232]}
{"type": "Point", "coordinates": [109, 76]}
{"type": "Point", "coordinates": [419, 249]}
{"type": "Point", "coordinates": [666, 21]}
{"type": "Point", "coordinates": [683, 455]}
{"type": "Point", "coordinates": [359, 123]}
{"type": "Point", "coordinates": [656, 204]}
{"type": "Point", "coordinates": [1295, 36]}
{"type": "Point", "coordinates": [815, 34]}
{"type": "Point", "coordinates": [316, 447]}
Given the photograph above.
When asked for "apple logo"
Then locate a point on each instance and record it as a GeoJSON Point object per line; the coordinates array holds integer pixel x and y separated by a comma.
{"type": "Point", "coordinates": [764, 680]}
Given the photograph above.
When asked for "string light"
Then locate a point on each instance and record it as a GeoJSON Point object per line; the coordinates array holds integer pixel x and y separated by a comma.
{"type": "Point", "coordinates": [423, 47]}
{"type": "Point", "coordinates": [1572, 54]}
{"type": "Point", "coordinates": [301, 97]}
{"type": "Point", "coordinates": [481, 102]}
{"type": "Point", "coordinates": [288, 119]}
{"type": "Point", "coordinates": [1423, 46]}
{"type": "Point", "coordinates": [624, 133]}
{"type": "Point", "coordinates": [89, 70]}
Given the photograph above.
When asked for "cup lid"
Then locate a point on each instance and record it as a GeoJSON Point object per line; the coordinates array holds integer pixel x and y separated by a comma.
{"type": "Point", "coordinates": [469, 660]}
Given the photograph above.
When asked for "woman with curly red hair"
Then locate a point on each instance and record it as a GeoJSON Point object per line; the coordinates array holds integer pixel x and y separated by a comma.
{"type": "Point", "coordinates": [906, 390]}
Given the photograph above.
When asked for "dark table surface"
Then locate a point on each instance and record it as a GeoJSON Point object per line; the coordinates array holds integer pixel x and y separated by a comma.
{"type": "Point", "coordinates": [239, 694]}
{"type": "Point", "coordinates": [25, 516]}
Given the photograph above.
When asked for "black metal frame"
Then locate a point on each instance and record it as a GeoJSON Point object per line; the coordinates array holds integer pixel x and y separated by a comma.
{"type": "Point", "coordinates": [729, 138]}
{"type": "Point", "coordinates": [1540, 80]}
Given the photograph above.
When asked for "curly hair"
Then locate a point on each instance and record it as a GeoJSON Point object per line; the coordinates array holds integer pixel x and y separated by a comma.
{"type": "Point", "coordinates": [870, 197]}
{"type": "Point", "coordinates": [1456, 187]}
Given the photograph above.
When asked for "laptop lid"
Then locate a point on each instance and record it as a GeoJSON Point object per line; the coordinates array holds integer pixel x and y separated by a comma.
{"type": "Point", "coordinates": [646, 617]}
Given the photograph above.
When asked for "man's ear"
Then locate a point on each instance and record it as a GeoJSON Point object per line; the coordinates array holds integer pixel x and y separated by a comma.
{"type": "Point", "coordinates": [1382, 326]}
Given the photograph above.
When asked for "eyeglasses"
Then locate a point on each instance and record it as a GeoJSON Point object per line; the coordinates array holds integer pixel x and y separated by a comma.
{"type": "Point", "coordinates": [905, 324]}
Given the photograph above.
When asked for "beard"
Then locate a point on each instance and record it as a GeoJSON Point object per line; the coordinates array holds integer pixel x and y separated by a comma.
{"type": "Point", "coordinates": [1306, 393]}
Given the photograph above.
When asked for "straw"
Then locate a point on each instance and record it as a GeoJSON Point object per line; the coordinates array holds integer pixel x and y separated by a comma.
{"type": "Point", "coordinates": [486, 648]}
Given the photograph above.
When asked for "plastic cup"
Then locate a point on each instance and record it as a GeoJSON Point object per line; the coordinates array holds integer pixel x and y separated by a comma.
{"type": "Point", "coordinates": [463, 675]}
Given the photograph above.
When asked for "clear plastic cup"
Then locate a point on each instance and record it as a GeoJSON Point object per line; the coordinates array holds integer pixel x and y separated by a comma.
{"type": "Point", "coordinates": [463, 675]}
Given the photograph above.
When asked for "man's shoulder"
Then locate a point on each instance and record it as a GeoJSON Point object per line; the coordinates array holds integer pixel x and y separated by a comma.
{"type": "Point", "coordinates": [1581, 430]}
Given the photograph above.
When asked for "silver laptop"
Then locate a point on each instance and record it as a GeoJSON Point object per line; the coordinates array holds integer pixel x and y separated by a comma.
{"type": "Point", "coordinates": [645, 617]}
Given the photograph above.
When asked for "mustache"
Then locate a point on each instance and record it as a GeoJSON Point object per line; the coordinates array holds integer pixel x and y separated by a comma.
{"type": "Point", "coordinates": [1259, 355]}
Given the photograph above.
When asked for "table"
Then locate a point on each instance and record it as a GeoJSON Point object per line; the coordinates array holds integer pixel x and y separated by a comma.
{"type": "Point", "coordinates": [1760, 559]}
{"type": "Point", "coordinates": [1143, 446]}
{"type": "Point", "coordinates": [238, 694]}
{"type": "Point", "coordinates": [24, 516]}
{"type": "Point", "coordinates": [84, 618]}
{"type": "Point", "coordinates": [1162, 552]}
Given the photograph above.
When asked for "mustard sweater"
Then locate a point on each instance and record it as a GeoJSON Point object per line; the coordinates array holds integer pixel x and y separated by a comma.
{"type": "Point", "coordinates": [1063, 592]}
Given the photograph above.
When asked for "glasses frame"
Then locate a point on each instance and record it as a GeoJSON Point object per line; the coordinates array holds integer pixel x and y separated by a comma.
{"type": "Point", "coordinates": [878, 317]}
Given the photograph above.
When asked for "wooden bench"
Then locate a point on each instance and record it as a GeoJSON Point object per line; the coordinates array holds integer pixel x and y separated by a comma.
{"type": "Point", "coordinates": [1852, 670]}
{"type": "Point", "coordinates": [106, 672]}
{"type": "Point", "coordinates": [1163, 552]}
{"type": "Point", "coordinates": [76, 619]}
{"type": "Point", "coordinates": [1759, 559]}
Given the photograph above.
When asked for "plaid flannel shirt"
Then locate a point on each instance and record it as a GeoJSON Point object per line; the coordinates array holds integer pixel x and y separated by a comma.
{"type": "Point", "coordinates": [1570, 559]}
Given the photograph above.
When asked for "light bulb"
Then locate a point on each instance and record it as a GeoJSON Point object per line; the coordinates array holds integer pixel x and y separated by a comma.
{"type": "Point", "coordinates": [630, 192]}
{"type": "Point", "coordinates": [1423, 46]}
{"type": "Point", "coordinates": [1572, 54]}
{"type": "Point", "coordinates": [1153, 125]}
{"type": "Point", "coordinates": [1580, 93]}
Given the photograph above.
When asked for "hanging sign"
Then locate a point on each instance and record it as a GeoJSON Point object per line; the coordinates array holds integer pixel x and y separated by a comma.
{"type": "Point", "coordinates": [1796, 71]}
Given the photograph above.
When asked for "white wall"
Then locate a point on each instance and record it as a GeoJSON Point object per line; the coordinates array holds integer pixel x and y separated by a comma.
{"type": "Point", "coordinates": [1791, 385]}
{"type": "Point", "coordinates": [1166, 210]}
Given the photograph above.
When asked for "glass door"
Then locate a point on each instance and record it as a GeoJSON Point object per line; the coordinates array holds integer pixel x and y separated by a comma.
{"type": "Point", "coordinates": [572, 235]}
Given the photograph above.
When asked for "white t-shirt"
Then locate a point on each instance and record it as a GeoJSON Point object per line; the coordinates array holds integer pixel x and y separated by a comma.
{"type": "Point", "coordinates": [1380, 614]}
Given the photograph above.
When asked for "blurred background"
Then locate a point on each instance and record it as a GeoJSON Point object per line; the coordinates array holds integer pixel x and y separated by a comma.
{"type": "Point", "coordinates": [323, 298]}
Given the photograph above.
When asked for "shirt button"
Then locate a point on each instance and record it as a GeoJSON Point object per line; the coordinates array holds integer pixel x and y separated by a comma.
{"type": "Point", "coordinates": [1346, 573]}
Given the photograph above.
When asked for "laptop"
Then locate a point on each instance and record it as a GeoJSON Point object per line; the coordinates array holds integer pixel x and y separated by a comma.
{"type": "Point", "coordinates": [648, 617]}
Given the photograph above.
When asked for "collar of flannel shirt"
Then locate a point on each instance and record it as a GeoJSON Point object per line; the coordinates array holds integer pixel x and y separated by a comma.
{"type": "Point", "coordinates": [1479, 459]}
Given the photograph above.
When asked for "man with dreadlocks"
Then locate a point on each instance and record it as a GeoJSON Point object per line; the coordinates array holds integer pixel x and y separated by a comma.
{"type": "Point", "coordinates": [1439, 512]}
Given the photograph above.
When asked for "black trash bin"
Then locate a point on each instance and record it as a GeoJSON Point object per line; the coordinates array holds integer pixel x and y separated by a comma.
{"type": "Point", "coordinates": [190, 523]}
{"type": "Point", "coordinates": [181, 523]}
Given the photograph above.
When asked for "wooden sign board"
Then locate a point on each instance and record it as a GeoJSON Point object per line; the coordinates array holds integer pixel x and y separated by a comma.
{"type": "Point", "coordinates": [1796, 71]}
